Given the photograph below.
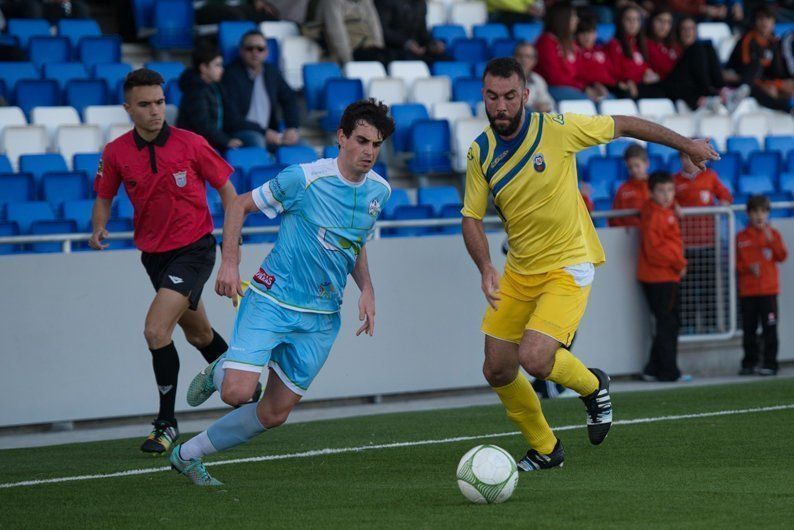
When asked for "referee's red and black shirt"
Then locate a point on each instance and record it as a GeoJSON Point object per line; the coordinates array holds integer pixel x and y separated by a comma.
{"type": "Point", "coordinates": [164, 180]}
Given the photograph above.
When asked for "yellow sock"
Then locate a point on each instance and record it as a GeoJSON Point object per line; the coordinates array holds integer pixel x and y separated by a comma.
{"type": "Point", "coordinates": [523, 409]}
{"type": "Point", "coordinates": [569, 372]}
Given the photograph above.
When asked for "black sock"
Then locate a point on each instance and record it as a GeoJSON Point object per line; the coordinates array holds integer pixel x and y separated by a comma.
{"type": "Point", "coordinates": [215, 348]}
{"type": "Point", "coordinates": [166, 372]}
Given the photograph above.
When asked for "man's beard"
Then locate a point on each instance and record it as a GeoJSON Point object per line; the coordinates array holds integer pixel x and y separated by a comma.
{"type": "Point", "coordinates": [505, 130]}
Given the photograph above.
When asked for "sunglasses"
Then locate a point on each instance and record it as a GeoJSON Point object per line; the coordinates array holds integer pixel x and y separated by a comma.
{"type": "Point", "coordinates": [257, 48]}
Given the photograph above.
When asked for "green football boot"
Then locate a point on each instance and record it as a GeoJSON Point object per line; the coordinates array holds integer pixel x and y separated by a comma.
{"type": "Point", "coordinates": [192, 469]}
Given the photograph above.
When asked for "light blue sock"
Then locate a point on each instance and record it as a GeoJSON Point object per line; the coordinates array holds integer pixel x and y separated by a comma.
{"type": "Point", "coordinates": [217, 375]}
{"type": "Point", "coordinates": [238, 426]}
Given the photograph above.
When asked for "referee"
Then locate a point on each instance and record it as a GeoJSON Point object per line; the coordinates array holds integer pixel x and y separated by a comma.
{"type": "Point", "coordinates": [164, 171]}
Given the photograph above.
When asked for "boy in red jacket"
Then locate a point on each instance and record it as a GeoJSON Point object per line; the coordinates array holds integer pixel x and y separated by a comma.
{"type": "Point", "coordinates": [759, 248]}
{"type": "Point", "coordinates": [633, 193]}
{"type": "Point", "coordinates": [660, 268]}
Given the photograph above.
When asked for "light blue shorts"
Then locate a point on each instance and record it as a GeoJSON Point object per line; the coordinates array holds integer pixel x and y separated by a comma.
{"type": "Point", "coordinates": [295, 344]}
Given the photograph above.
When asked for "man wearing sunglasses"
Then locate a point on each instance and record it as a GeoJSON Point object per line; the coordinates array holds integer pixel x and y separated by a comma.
{"type": "Point", "coordinates": [260, 93]}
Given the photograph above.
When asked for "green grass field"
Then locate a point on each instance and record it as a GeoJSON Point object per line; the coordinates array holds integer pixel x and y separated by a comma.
{"type": "Point", "coordinates": [715, 471]}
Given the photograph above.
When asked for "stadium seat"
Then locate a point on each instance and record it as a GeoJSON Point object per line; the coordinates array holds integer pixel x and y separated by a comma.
{"type": "Point", "coordinates": [170, 70]}
{"type": "Point", "coordinates": [75, 29]}
{"type": "Point", "coordinates": [95, 50]}
{"type": "Point", "coordinates": [490, 32]}
{"type": "Point", "coordinates": [438, 196]}
{"type": "Point", "coordinates": [436, 13]}
{"type": "Point", "coordinates": [63, 186]}
{"type": "Point", "coordinates": [617, 147]}
{"type": "Point", "coordinates": [387, 90]}
{"type": "Point", "coordinates": [39, 164]}
{"type": "Point", "coordinates": [765, 164]}
{"type": "Point", "coordinates": [404, 117]}
{"type": "Point", "coordinates": [37, 93]}
{"type": "Point", "coordinates": [674, 165]}
{"type": "Point", "coordinates": [468, 89]}
{"type": "Point", "coordinates": [408, 71]}
{"type": "Point", "coordinates": [470, 50]}
{"type": "Point", "coordinates": [279, 29]}
{"type": "Point", "coordinates": [660, 150]}
{"type": "Point", "coordinates": [755, 184]}
{"type": "Point", "coordinates": [468, 13]}
{"type": "Point", "coordinates": [503, 47]}
{"type": "Point", "coordinates": [295, 53]}
{"type": "Point", "coordinates": [16, 187]}
{"type": "Point", "coordinates": [527, 31]}
{"type": "Point", "coordinates": [781, 124]}
{"type": "Point", "coordinates": [104, 115]}
{"type": "Point", "coordinates": [364, 71]}
{"type": "Point", "coordinates": [113, 74]}
{"type": "Point", "coordinates": [330, 151]}
{"type": "Point", "coordinates": [5, 165]}
{"type": "Point", "coordinates": [779, 144]}
{"type": "Point", "coordinates": [123, 205]}
{"type": "Point", "coordinates": [786, 182]}
{"type": "Point", "coordinates": [682, 124]}
{"type": "Point", "coordinates": [605, 32]}
{"type": "Point", "coordinates": [450, 211]}
{"type": "Point", "coordinates": [601, 189]}
{"type": "Point", "coordinates": [430, 145]}
{"type": "Point", "coordinates": [295, 154]}
{"type": "Point", "coordinates": [173, 24]}
{"type": "Point", "coordinates": [715, 32]}
{"type": "Point", "coordinates": [728, 167]}
{"type": "Point", "coordinates": [229, 35]}
{"type": "Point", "coordinates": [584, 156]}
{"type": "Point", "coordinates": [25, 213]}
{"type": "Point", "coordinates": [337, 95]}
{"type": "Point", "coordinates": [626, 107]}
{"type": "Point", "coordinates": [716, 127]}
{"type": "Point", "coordinates": [381, 169]}
{"type": "Point", "coordinates": [54, 117]}
{"type": "Point", "coordinates": [452, 111]}
{"type": "Point", "coordinates": [576, 106]}
{"type": "Point", "coordinates": [79, 211]}
{"type": "Point", "coordinates": [81, 93]}
{"type": "Point", "coordinates": [64, 72]}
{"type": "Point", "coordinates": [655, 108]}
{"type": "Point", "coordinates": [448, 33]}
{"type": "Point", "coordinates": [49, 50]}
{"type": "Point", "coordinates": [399, 197]}
{"type": "Point", "coordinates": [245, 158]}
{"type": "Point", "coordinates": [173, 94]}
{"type": "Point", "coordinates": [258, 219]}
{"type": "Point", "coordinates": [46, 227]}
{"type": "Point", "coordinates": [73, 139]}
{"type": "Point", "coordinates": [431, 90]}
{"type": "Point", "coordinates": [755, 124]}
{"type": "Point", "coordinates": [451, 69]}
{"type": "Point", "coordinates": [11, 116]}
{"type": "Point", "coordinates": [744, 146]}
{"type": "Point", "coordinates": [605, 169]}
{"type": "Point", "coordinates": [464, 132]}
{"type": "Point", "coordinates": [22, 140]}
{"type": "Point", "coordinates": [408, 212]}
{"type": "Point", "coordinates": [117, 129]}
{"type": "Point", "coordinates": [116, 225]}
{"type": "Point", "coordinates": [25, 29]}
{"type": "Point", "coordinates": [656, 163]}
{"type": "Point", "coordinates": [9, 228]}
{"type": "Point", "coordinates": [315, 76]}
{"type": "Point", "coordinates": [261, 174]}
{"type": "Point", "coordinates": [88, 163]}
{"type": "Point", "coordinates": [12, 72]}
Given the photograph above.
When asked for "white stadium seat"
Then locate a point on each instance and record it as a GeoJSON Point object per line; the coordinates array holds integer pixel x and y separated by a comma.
{"type": "Point", "coordinates": [53, 117]}
{"type": "Point", "coordinates": [683, 124]}
{"type": "Point", "coordinates": [468, 14]}
{"type": "Point", "coordinates": [452, 111]}
{"type": "Point", "coordinates": [480, 110]}
{"type": "Point", "coordinates": [657, 108]}
{"type": "Point", "coordinates": [752, 125]}
{"type": "Point", "coordinates": [279, 29]}
{"type": "Point", "coordinates": [436, 14]}
{"type": "Point", "coordinates": [104, 116]}
{"type": "Point", "coordinates": [431, 90]}
{"type": "Point", "coordinates": [718, 128]}
{"type": "Point", "coordinates": [387, 90]}
{"type": "Point", "coordinates": [781, 123]}
{"type": "Point", "coordinates": [117, 129]}
{"type": "Point", "coordinates": [716, 32]}
{"type": "Point", "coordinates": [295, 52]}
{"type": "Point", "coordinates": [577, 106]}
{"type": "Point", "coordinates": [72, 139]}
{"type": "Point", "coordinates": [11, 116]}
{"type": "Point", "coordinates": [626, 107]}
{"type": "Point", "coordinates": [409, 71]}
{"type": "Point", "coordinates": [24, 140]}
{"type": "Point", "coordinates": [463, 134]}
{"type": "Point", "coordinates": [171, 113]}
{"type": "Point", "coordinates": [364, 70]}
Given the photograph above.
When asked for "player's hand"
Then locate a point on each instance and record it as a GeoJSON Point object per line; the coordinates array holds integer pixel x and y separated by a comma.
{"type": "Point", "coordinates": [228, 282]}
{"type": "Point", "coordinates": [755, 269]}
{"type": "Point", "coordinates": [95, 241]}
{"type": "Point", "coordinates": [234, 143]}
{"type": "Point", "coordinates": [290, 137]}
{"type": "Point", "coordinates": [700, 151]}
{"type": "Point", "coordinates": [366, 312]}
{"type": "Point", "coordinates": [490, 286]}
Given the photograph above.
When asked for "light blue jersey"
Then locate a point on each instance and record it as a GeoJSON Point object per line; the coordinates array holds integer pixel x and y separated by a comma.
{"type": "Point", "coordinates": [325, 221]}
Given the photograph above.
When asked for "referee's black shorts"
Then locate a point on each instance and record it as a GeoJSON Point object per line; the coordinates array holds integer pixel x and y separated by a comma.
{"type": "Point", "coordinates": [184, 270]}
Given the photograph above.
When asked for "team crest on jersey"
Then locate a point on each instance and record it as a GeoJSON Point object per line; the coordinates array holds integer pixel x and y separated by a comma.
{"type": "Point", "coordinates": [262, 277]}
{"type": "Point", "coordinates": [180, 177]}
{"type": "Point", "coordinates": [99, 168]}
{"type": "Point", "coordinates": [374, 207]}
{"type": "Point", "coordinates": [470, 154]}
{"type": "Point", "coordinates": [539, 163]}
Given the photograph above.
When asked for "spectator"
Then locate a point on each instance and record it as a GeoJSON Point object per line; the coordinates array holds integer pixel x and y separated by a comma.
{"type": "Point", "coordinates": [660, 269]}
{"type": "Point", "coordinates": [663, 50]}
{"type": "Point", "coordinates": [594, 69]}
{"type": "Point", "coordinates": [350, 29]}
{"type": "Point", "coordinates": [539, 98]}
{"type": "Point", "coordinates": [214, 11]}
{"type": "Point", "coordinates": [405, 30]}
{"type": "Point", "coordinates": [633, 193]}
{"type": "Point", "coordinates": [699, 8]}
{"type": "Point", "coordinates": [293, 10]}
{"type": "Point", "coordinates": [628, 53]}
{"type": "Point", "coordinates": [557, 53]}
{"type": "Point", "coordinates": [511, 11]}
{"type": "Point", "coordinates": [205, 110]}
{"type": "Point", "coordinates": [759, 248]}
{"type": "Point", "coordinates": [734, 10]}
{"type": "Point", "coordinates": [260, 93]}
{"type": "Point", "coordinates": [757, 60]}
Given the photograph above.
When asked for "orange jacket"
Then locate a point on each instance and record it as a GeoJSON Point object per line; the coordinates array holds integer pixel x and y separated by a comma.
{"type": "Point", "coordinates": [753, 248]}
{"type": "Point", "coordinates": [632, 194]}
{"type": "Point", "coordinates": [700, 190]}
{"type": "Point", "coordinates": [661, 251]}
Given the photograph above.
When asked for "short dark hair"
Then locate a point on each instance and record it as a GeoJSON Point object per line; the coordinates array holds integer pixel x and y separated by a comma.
{"type": "Point", "coordinates": [659, 177]}
{"type": "Point", "coordinates": [758, 202]}
{"type": "Point", "coordinates": [635, 151]}
{"type": "Point", "coordinates": [204, 52]}
{"type": "Point", "coordinates": [369, 111]}
{"type": "Point", "coordinates": [587, 23]}
{"type": "Point", "coordinates": [764, 11]}
{"type": "Point", "coordinates": [505, 67]}
{"type": "Point", "coordinates": [249, 33]}
{"type": "Point", "coordinates": [142, 77]}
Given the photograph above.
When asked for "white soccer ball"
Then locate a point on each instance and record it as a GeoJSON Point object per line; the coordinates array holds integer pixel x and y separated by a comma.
{"type": "Point", "coordinates": [487, 474]}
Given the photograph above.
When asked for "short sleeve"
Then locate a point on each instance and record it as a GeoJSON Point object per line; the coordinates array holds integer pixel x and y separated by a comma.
{"type": "Point", "coordinates": [475, 199]}
{"type": "Point", "coordinates": [578, 131]}
{"type": "Point", "coordinates": [281, 194]}
{"type": "Point", "coordinates": [108, 178]}
{"type": "Point", "coordinates": [209, 165]}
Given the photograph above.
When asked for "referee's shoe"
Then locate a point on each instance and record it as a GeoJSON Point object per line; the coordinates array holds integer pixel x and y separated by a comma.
{"type": "Point", "coordinates": [161, 438]}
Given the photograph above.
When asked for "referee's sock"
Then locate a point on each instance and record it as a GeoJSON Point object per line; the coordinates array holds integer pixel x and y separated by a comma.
{"type": "Point", "coordinates": [523, 409]}
{"type": "Point", "coordinates": [165, 361]}
{"type": "Point", "coordinates": [215, 348]}
{"type": "Point", "coordinates": [237, 427]}
{"type": "Point", "coordinates": [571, 373]}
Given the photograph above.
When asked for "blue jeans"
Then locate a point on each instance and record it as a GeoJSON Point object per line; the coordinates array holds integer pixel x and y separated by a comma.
{"type": "Point", "coordinates": [250, 138]}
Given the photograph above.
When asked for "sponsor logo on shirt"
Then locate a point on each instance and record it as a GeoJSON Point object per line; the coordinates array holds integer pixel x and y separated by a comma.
{"type": "Point", "coordinates": [470, 154]}
{"type": "Point", "coordinates": [539, 163]}
{"type": "Point", "coordinates": [374, 207]}
{"type": "Point", "coordinates": [99, 168]}
{"type": "Point", "coordinates": [264, 278]}
{"type": "Point", "coordinates": [180, 177]}
{"type": "Point", "coordinates": [559, 118]}
{"type": "Point", "coordinates": [767, 254]}
{"type": "Point", "coordinates": [499, 158]}
{"type": "Point", "coordinates": [326, 290]}
{"type": "Point", "coordinates": [705, 197]}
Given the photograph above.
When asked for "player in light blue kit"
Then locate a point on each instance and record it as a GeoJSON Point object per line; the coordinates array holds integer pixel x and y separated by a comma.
{"type": "Point", "coordinates": [289, 317]}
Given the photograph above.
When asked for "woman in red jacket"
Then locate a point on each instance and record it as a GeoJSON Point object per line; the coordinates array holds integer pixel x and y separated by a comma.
{"type": "Point", "coordinates": [663, 50]}
{"type": "Point", "coordinates": [628, 53]}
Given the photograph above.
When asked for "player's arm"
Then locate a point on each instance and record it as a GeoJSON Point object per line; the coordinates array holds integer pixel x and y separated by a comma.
{"type": "Point", "coordinates": [477, 246]}
{"type": "Point", "coordinates": [99, 219]}
{"type": "Point", "coordinates": [227, 194]}
{"type": "Point", "coordinates": [228, 280]}
{"type": "Point", "coordinates": [366, 302]}
{"type": "Point", "coordinates": [699, 150]}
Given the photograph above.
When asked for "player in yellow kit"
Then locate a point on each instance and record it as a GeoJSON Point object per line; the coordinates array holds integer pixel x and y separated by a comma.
{"type": "Point", "coordinates": [526, 163]}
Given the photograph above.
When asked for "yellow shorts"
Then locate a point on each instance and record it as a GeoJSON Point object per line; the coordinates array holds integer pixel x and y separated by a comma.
{"type": "Point", "coordinates": [551, 303]}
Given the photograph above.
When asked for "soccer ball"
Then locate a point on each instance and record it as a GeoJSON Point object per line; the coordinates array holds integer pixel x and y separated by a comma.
{"type": "Point", "coordinates": [487, 474]}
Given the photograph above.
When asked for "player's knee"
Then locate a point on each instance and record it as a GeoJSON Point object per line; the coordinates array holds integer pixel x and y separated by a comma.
{"type": "Point", "coordinates": [199, 338]}
{"type": "Point", "coordinates": [156, 336]}
{"type": "Point", "coordinates": [272, 418]}
{"type": "Point", "coordinates": [498, 376]}
{"type": "Point", "coordinates": [537, 366]}
{"type": "Point", "coordinates": [235, 395]}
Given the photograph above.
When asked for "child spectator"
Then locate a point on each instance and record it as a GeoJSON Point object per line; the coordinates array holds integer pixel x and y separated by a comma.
{"type": "Point", "coordinates": [663, 50]}
{"type": "Point", "coordinates": [594, 68]}
{"type": "Point", "coordinates": [633, 193]}
{"type": "Point", "coordinates": [628, 54]}
{"type": "Point", "coordinates": [759, 248]}
{"type": "Point", "coordinates": [660, 268]}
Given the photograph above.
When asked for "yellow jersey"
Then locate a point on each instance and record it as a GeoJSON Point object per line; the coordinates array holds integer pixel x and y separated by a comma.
{"type": "Point", "coordinates": [534, 185]}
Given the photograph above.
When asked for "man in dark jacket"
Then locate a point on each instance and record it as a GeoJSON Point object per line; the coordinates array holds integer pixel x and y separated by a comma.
{"type": "Point", "coordinates": [260, 93]}
{"type": "Point", "coordinates": [206, 111]}
{"type": "Point", "coordinates": [405, 30]}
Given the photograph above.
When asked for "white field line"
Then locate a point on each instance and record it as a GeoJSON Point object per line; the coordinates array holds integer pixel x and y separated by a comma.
{"type": "Point", "coordinates": [341, 450]}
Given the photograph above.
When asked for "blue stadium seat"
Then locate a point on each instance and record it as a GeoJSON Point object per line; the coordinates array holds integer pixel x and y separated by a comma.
{"type": "Point", "coordinates": [764, 163]}
{"type": "Point", "coordinates": [173, 94]}
{"type": "Point", "coordinates": [583, 157]}
{"type": "Point", "coordinates": [602, 205]}
{"type": "Point", "coordinates": [295, 154]}
{"type": "Point", "coordinates": [479, 69]}
{"type": "Point", "coordinates": [214, 202]}
{"type": "Point", "coordinates": [448, 33]}
{"type": "Point", "coordinates": [452, 69]}
{"type": "Point", "coordinates": [468, 89]}
{"type": "Point", "coordinates": [143, 13]}
{"type": "Point", "coordinates": [37, 93]}
{"type": "Point", "coordinates": [503, 47]}
{"type": "Point", "coordinates": [87, 163]}
{"type": "Point", "coordinates": [674, 164]}
{"type": "Point", "coordinates": [755, 184]}
{"type": "Point", "coordinates": [260, 219]}
{"type": "Point", "coordinates": [604, 169]}
{"type": "Point", "coordinates": [438, 196]}
{"type": "Point", "coordinates": [49, 50]}
{"type": "Point", "coordinates": [116, 225]}
{"type": "Point", "coordinates": [728, 167]}
{"type": "Point", "coordinates": [5, 165]}
{"type": "Point", "coordinates": [38, 165]}
{"type": "Point", "coordinates": [743, 145]}
{"type": "Point", "coordinates": [170, 70]}
{"type": "Point", "coordinates": [113, 74]}
{"type": "Point", "coordinates": [96, 50]}
{"type": "Point", "coordinates": [7, 229]}
{"type": "Point", "coordinates": [173, 25]}
{"type": "Point", "coordinates": [786, 182]}
{"type": "Point", "coordinates": [12, 72]}
{"type": "Point", "coordinates": [261, 174]}
{"type": "Point", "coordinates": [430, 145]}
{"type": "Point", "coordinates": [618, 147]}
{"type": "Point", "coordinates": [123, 205]}
{"type": "Point", "coordinates": [23, 29]}
{"type": "Point", "coordinates": [404, 116]}
{"type": "Point", "coordinates": [239, 180]}
{"type": "Point", "coordinates": [399, 197]}
{"type": "Point", "coordinates": [605, 32]}
{"type": "Point", "coordinates": [79, 211]}
{"type": "Point", "coordinates": [380, 169]}
{"type": "Point", "coordinates": [661, 150]}
{"type": "Point", "coordinates": [315, 76]}
{"type": "Point", "coordinates": [527, 31]}
{"type": "Point", "coordinates": [407, 212]}
{"type": "Point", "coordinates": [64, 72]}
{"type": "Point", "coordinates": [330, 151]}
{"type": "Point", "coordinates": [75, 29]}
{"type": "Point", "coordinates": [337, 94]}
{"type": "Point", "coordinates": [80, 93]}
{"type": "Point", "coordinates": [780, 144]}
{"type": "Point", "coordinates": [656, 163]}
{"type": "Point", "coordinates": [273, 53]}
{"type": "Point", "coordinates": [63, 186]}
{"type": "Point", "coordinates": [781, 28]}
{"type": "Point", "coordinates": [245, 158]}
{"type": "Point", "coordinates": [450, 211]}
{"type": "Point", "coordinates": [490, 32]}
{"type": "Point", "coordinates": [790, 161]}
{"type": "Point", "coordinates": [16, 187]}
{"type": "Point", "coordinates": [57, 226]}
{"type": "Point", "coordinates": [600, 189]}
{"type": "Point", "coordinates": [229, 35]}
{"type": "Point", "coordinates": [469, 50]}
{"type": "Point", "coordinates": [25, 213]}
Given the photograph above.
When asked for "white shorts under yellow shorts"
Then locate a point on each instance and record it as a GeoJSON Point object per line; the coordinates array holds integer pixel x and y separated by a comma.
{"type": "Point", "coordinates": [551, 303]}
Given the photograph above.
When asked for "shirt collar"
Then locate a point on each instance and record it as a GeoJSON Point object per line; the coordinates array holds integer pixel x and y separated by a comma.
{"type": "Point", "coordinates": [159, 140]}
